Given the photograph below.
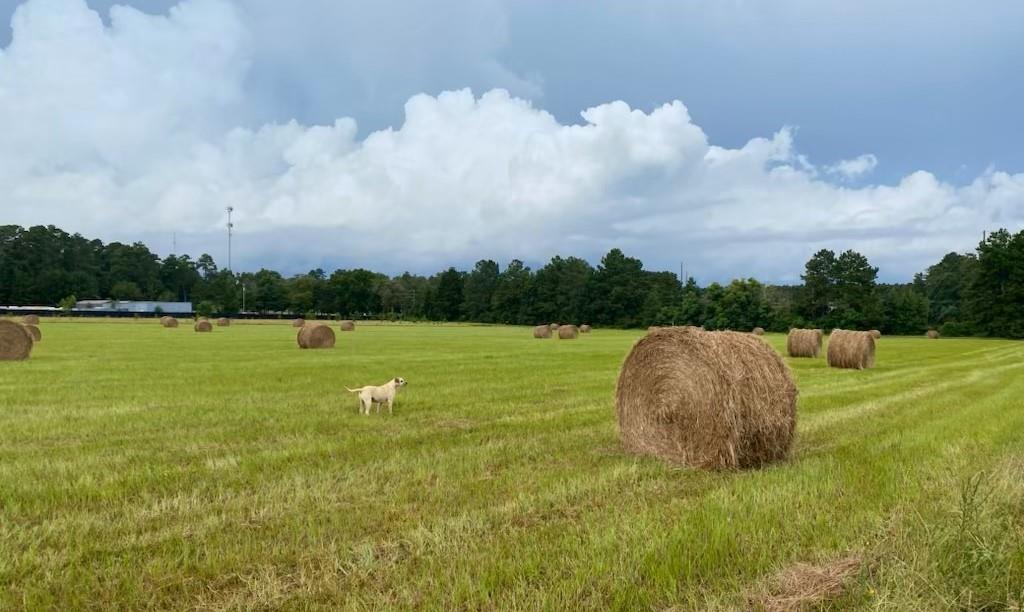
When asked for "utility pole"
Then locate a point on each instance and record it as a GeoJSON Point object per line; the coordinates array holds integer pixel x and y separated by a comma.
{"type": "Point", "coordinates": [231, 225]}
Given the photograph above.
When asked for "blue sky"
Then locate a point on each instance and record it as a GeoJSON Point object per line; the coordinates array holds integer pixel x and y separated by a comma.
{"type": "Point", "coordinates": [892, 128]}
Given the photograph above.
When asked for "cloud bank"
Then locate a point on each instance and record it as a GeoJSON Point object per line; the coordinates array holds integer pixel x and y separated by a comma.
{"type": "Point", "coordinates": [136, 130]}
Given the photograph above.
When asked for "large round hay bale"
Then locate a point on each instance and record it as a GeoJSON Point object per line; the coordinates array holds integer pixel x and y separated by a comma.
{"type": "Point", "coordinates": [706, 399]}
{"type": "Point", "coordinates": [169, 322]}
{"type": "Point", "coordinates": [15, 341]}
{"type": "Point", "coordinates": [298, 322]}
{"type": "Point", "coordinates": [758, 331]}
{"type": "Point", "coordinates": [315, 336]}
{"type": "Point", "coordinates": [804, 342]}
{"type": "Point", "coordinates": [203, 326]}
{"type": "Point", "coordinates": [851, 349]}
{"type": "Point", "coordinates": [585, 329]}
{"type": "Point", "coordinates": [223, 322]}
{"type": "Point", "coordinates": [30, 319]}
{"type": "Point", "coordinates": [33, 330]}
{"type": "Point", "coordinates": [542, 331]}
{"type": "Point", "coordinates": [568, 332]}
{"type": "Point", "coordinates": [932, 334]}
{"type": "Point", "coordinates": [348, 325]}
{"type": "Point", "coordinates": [875, 334]}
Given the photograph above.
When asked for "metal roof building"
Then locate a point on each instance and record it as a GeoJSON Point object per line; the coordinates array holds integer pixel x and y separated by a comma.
{"type": "Point", "coordinates": [140, 306]}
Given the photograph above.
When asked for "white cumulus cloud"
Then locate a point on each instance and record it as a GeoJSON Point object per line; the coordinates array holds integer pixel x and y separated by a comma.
{"type": "Point", "coordinates": [854, 168]}
{"type": "Point", "coordinates": [136, 130]}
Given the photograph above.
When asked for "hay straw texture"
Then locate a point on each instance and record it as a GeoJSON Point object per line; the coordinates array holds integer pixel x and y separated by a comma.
{"type": "Point", "coordinates": [298, 322]}
{"type": "Point", "coordinates": [715, 400]}
{"type": "Point", "coordinates": [223, 322]}
{"type": "Point", "coordinates": [315, 336]}
{"type": "Point", "coordinates": [348, 325]}
{"type": "Point", "coordinates": [34, 332]}
{"type": "Point", "coordinates": [15, 341]}
{"type": "Point", "coordinates": [30, 319]}
{"type": "Point", "coordinates": [542, 331]}
{"type": "Point", "coordinates": [758, 331]}
{"type": "Point", "coordinates": [804, 342]}
{"type": "Point", "coordinates": [568, 332]}
{"type": "Point", "coordinates": [168, 322]}
{"type": "Point", "coordinates": [203, 326]}
{"type": "Point", "coordinates": [851, 349]}
{"type": "Point", "coordinates": [875, 334]}
{"type": "Point", "coordinates": [585, 329]}
{"type": "Point", "coordinates": [934, 335]}
{"type": "Point", "coordinates": [554, 326]}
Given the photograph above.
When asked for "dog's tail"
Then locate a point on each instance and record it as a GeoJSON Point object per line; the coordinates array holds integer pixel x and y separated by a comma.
{"type": "Point", "coordinates": [354, 390]}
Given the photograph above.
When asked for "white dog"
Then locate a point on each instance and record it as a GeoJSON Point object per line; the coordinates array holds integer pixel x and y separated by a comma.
{"type": "Point", "coordinates": [384, 394]}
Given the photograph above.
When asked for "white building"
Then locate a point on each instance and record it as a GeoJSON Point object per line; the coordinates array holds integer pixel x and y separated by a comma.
{"type": "Point", "coordinates": [133, 306]}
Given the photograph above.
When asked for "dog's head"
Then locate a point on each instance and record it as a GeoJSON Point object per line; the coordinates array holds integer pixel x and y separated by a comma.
{"type": "Point", "coordinates": [399, 381]}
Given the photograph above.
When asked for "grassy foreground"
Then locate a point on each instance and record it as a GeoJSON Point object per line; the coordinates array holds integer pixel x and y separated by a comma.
{"type": "Point", "coordinates": [150, 467]}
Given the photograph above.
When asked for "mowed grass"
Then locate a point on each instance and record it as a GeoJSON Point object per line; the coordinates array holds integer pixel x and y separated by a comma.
{"type": "Point", "coordinates": [143, 467]}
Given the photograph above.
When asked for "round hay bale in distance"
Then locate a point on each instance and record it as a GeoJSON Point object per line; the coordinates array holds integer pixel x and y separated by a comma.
{"type": "Point", "coordinates": [30, 319]}
{"type": "Point", "coordinates": [169, 322]}
{"type": "Point", "coordinates": [875, 334]}
{"type": "Point", "coordinates": [348, 325]}
{"type": "Point", "coordinates": [298, 322]}
{"type": "Point", "coordinates": [223, 322]}
{"type": "Point", "coordinates": [542, 331]}
{"type": "Point", "coordinates": [851, 349]}
{"type": "Point", "coordinates": [553, 326]}
{"type": "Point", "coordinates": [15, 341]}
{"type": "Point", "coordinates": [932, 334]}
{"type": "Point", "coordinates": [758, 331]}
{"type": "Point", "coordinates": [568, 332]}
{"type": "Point", "coordinates": [203, 326]}
{"type": "Point", "coordinates": [33, 330]}
{"type": "Point", "coordinates": [315, 336]}
{"type": "Point", "coordinates": [585, 329]}
{"type": "Point", "coordinates": [804, 342]}
{"type": "Point", "coordinates": [714, 400]}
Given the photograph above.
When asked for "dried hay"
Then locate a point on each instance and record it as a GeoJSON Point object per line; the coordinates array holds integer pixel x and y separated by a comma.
{"type": "Point", "coordinates": [223, 322]}
{"type": "Point", "coordinates": [807, 587]}
{"type": "Point", "coordinates": [298, 322]}
{"type": "Point", "coordinates": [875, 334]}
{"type": "Point", "coordinates": [542, 331]}
{"type": "Point", "coordinates": [33, 331]}
{"type": "Point", "coordinates": [168, 322]}
{"type": "Point", "coordinates": [202, 325]}
{"type": "Point", "coordinates": [932, 334]}
{"type": "Point", "coordinates": [568, 332]}
{"type": "Point", "coordinates": [315, 336]}
{"type": "Point", "coordinates": [851, 349]}
{"type": "Point", "coordinates": [347, 325]}
{"type": "Point", "coordinates": [804, 342]}
{"type": "Point", "coordinates": [30, 319]}
{"type": "Point", "coordinates": [553, 326]}
{"type": "Point", "coordinates": [15, 341]}
{"type": "Point", "coordinates": [706, 399]}
{"type": "Point", "coordinates": [758, 331]}
{"type": "Point", "coordinates": [585, 329]}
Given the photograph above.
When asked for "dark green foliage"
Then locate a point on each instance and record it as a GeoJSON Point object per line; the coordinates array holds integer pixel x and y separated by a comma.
{"type": "Point", "coordinates": [996, 296]}
{"type": "Point", "coordinates": [204, 309]}
{"type": "Point", "coordinates": [963, 294]}
{"type": "Point", "coordinates": [904, 310]}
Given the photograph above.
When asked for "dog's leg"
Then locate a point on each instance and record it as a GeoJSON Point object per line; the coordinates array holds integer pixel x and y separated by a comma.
{"type": "Point", "coordinates": [391, 404]}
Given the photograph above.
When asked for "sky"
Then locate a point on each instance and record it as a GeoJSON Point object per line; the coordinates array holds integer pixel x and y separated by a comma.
{"type": "Point", "coordinates": [736, 137]}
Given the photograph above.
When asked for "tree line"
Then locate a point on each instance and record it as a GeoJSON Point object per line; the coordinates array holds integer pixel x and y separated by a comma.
{"type": "Point", "coordinates": [980, 293]}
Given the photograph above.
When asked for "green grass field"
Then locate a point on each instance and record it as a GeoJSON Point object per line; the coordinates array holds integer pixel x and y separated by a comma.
{"type": "Point", "coordinates": [149, 467]}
